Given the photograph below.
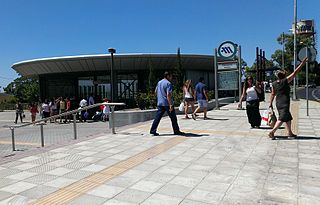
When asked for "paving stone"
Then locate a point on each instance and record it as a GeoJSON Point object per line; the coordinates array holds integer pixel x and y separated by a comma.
{"type": "Point", "coordinates": [26, 166]}
{"type": "Point", "coordinates": [117, 202]}
{"type": "Point", "coordinates": [17, 187]}
{"type": "Point", "coordinates": [106, 191]}
{"type": "Point", "coordinates": [4, 195]}
{"type": "Point", "coordinates": [40, 178]}
{"type": "Point", "coordinates": [59, 171]}
{"type": "Point", "coordinates": [191, 202]}
{"type": "Point", "coordinates": [205, 196]}
{"type": "Point", "coordinates": [147, 186]}
{"type": "Point", "coordinates": [185, 181]}
{"type": "Point", "coordinates": [88, 199]}
{"type": "Point", "coordinates": [38, 192]}
{"type": "Point", "coordinates": [161, 200]}
{"type": "Point", "coordinates": [59, 182]}
{"type": "Point", "coordinates": [93, 168]}
{"type": "Point", "coordinates": [132, 196]}
{"type": "Point", "coordinates": [175, 190]}
{"type": "Point", "coordinates": [78, 174]}
{"type": "Point", "coordinates": [16, 199]}
{"type": "Point", "coordinates": [21, 175]}
{"type": "Point", "coordinates": [121, 181]}
{"type": "Point", "coordinates": [5, 182]}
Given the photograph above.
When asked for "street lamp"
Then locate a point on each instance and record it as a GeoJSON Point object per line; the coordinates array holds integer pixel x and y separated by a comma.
{"type": "Point", "coordinates": [112, 51]}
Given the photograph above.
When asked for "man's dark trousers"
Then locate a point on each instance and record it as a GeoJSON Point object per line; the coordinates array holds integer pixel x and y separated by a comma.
{"type": "Point", "coordinates": [172, 115]}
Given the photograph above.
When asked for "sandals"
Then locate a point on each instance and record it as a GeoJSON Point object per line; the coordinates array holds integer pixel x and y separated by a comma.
{"type": "Point", "coordinates": [271, 135]}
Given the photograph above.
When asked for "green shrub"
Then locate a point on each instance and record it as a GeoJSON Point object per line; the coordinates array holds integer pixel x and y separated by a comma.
{"type": "Point", "coordinates": [211, 94]}
{"type": "Point", "coordinates": [146, 100]}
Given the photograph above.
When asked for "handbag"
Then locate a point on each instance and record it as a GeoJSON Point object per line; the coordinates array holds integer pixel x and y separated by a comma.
{"type": "Point", "coordinates": [181, 107]}
{"type": "Point", "coordinates": [272, 119]}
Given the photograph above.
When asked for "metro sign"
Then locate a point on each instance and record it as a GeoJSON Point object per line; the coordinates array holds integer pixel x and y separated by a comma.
{"type": "Point", "coordinates": [227, 49]}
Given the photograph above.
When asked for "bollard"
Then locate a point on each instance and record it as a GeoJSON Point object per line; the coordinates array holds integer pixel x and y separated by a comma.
{"type": "Point", "coordinates": [111, 120]}
{"type": "Point", "coordinates": [74, 125]}
{"type": "Point", "coordinates": [42, 137]}
{"type": "Point", "coordinates": [12, 136]}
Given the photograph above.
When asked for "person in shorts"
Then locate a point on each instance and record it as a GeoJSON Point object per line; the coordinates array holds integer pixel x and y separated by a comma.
{"type": "Point", "coordinates": [200, 92]}
{"type": "Point", "coordinates": [188, 92]}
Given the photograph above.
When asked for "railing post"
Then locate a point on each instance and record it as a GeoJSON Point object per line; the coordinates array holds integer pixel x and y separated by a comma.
{"type": "Point", "coordinates": [111, 120]}
{"type": "Point", "coordinates": [42, 137]}
{"type": "Point", "coordinates": [12, 137]}
{"type": "Point", "coordinates": [74, 125]}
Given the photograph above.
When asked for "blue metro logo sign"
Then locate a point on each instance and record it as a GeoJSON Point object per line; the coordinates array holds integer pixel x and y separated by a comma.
{"type": "Point", "coordinates": [227, 49]}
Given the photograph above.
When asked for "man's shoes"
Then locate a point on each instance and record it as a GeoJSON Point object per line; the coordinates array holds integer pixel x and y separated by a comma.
{"type": "Point", "coordinates": [193, 116]}
{"type": "Point", "coordinates": [154, 133]}
{"type": "Point", "coordinates": [179, 133]}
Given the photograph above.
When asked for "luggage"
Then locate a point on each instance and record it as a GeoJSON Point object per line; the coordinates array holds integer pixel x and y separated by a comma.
{"type": "Point", "coordinates": [269, 118]}
{"type": "Point", "coordinates": [272, 119]}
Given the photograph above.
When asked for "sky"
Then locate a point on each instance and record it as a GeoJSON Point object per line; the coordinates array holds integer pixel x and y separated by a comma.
{"type": "Point", "coordinates": [31, 29]}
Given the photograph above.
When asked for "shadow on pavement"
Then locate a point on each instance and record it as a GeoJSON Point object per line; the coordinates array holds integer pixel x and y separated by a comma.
{"type": "Point", "coordinates": [222, 119]}
{"type": "Point", "coordinates": [297, 138]}
{"type": "Point", "coordinates": [186, 134]}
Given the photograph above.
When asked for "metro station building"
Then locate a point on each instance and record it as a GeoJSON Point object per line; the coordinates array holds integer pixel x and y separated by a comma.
{"type": "Point", "coordinates": [81, 75]}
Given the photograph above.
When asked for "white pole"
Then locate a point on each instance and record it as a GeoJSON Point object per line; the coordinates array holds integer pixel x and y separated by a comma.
{"type": "Point", "coordinates": [307, 81]}
{"type": "Point", "coordinates": [240, 67]}
{"type": "Point", "coordinates": [295, 48]}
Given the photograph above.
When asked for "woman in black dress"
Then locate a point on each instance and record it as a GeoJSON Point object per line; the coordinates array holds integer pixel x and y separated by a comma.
{"type": "Point", "coordinates": [281, 90]}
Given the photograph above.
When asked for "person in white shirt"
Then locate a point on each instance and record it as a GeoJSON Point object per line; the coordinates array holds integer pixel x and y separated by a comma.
{"type": "Point", "coordinates": [45, 109]}
{"type": "Point", "coordinates": [188, 97]}
{"type": "Point", "coordinates": [252, 102]}
{"type": "Point", "coordinates": [82, 104]}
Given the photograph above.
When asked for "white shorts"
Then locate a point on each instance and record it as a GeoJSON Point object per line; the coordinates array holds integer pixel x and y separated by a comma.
{"type": "Point", "coordinates": [202, 103]}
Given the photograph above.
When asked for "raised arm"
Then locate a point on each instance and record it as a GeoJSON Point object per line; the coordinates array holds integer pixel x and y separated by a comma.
{"type": "Point", "coordinates": [297, 70]}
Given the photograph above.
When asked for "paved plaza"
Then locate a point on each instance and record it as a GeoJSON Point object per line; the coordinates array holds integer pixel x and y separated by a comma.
{"type": "Point", "coordinates": [219, 161]}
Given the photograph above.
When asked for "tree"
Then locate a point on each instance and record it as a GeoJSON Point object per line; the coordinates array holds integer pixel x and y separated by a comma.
{"type": "Point", "coordinates": [178, 73]}
{"type": "Point", "coordinates": [288, 42]}
{"type": "Point", "coordinates": [151, 78]}
{"type": "Point", "coordinates": [302, 41]}
{"type": "Point", "coordinates": [25, 89]}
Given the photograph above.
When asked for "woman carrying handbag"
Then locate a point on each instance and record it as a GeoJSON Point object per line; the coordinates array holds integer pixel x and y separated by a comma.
{"type": "Point", "coordinates": [252, 102]}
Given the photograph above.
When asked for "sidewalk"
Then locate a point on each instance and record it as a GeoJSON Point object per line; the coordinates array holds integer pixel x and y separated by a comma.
{"type": "Point", "coordinates": [221, 161]}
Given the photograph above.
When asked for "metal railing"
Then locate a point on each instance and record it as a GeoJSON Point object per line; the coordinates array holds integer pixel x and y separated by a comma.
{"type": "Point", "coordinates": [74, 113]}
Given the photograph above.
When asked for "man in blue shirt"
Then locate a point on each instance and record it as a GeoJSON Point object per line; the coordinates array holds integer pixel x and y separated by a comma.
{"type": "Point", "coordinates": [200, 92]}
{"type": "Point", "coordinates": [165, 104]}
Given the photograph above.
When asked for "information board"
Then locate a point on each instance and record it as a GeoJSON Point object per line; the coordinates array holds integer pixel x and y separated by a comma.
{"type": "Point", "coordinates": [228, 80]}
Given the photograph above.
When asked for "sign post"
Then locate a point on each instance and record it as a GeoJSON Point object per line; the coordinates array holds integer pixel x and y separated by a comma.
{"type": "Point", "coordinates": [216, 79]}
{"type": "Point", "coordinates": [227, 74]}
{"type": "Point", "coordinates": [240, 67]}
{"type": "Point", "coordinates": [311, 54]}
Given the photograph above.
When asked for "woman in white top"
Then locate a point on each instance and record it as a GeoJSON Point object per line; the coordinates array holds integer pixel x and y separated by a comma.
{"type": "Point", "coordinates": [252, 102]}
{"type": "Point", "coordinates": [188, 97]}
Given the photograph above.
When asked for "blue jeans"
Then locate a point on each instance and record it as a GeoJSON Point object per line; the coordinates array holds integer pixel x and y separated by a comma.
{"type": "Point", "coordinates": [160, 112]}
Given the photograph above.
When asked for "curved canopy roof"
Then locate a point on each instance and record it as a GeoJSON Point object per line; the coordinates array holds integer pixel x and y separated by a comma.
{"type": "Point", "coordinates": [102, 62]}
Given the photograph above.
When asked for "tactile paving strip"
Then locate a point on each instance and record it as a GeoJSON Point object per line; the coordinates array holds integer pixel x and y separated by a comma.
{"type": "Point", "coordinates": [70, 192]}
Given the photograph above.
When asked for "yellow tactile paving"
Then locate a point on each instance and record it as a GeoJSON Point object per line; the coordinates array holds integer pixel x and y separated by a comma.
{"type": "Point", "coordinates": [20, 143]}
{"type": "Point", "coordinates": [81, 187]}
